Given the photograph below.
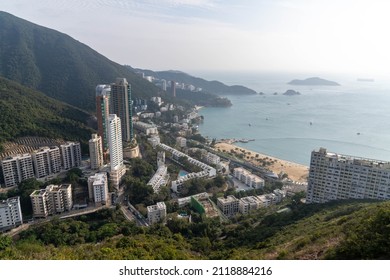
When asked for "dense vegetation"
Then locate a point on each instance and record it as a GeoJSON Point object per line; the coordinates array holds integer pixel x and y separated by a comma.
{"type": "Point", "coordinates": [208, 86]}
{"type": "Point", "coordinates": [102, 235]}
{"type": "Point", "coordinates": [58, 65]}
{"type": "Point", "coordinates": [337, 230]}
{"type": "Point", "coordinates": [25, 112]}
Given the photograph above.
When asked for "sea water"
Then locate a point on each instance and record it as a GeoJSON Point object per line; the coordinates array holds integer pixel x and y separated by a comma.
{"type": "Point", "coordinates": [351, 119]}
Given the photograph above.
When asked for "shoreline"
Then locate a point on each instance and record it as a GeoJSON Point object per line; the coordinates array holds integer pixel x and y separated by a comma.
{"type": "Point", "coordinates": [295, 171]}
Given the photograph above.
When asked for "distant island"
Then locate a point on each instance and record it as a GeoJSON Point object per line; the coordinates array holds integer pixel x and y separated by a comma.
{"type": "Point", "coordinates": [314, 81]}
{"type": "Point", "coordinates": [291, 92]}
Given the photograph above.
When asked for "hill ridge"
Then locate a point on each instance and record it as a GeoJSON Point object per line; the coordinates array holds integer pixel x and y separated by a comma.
{"type": "Point", "coordinates": [59, 65]}
{"type": "Point", "coordinates": [215, 87]}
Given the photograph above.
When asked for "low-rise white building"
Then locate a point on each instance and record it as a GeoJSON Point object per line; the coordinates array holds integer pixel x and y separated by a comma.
{"type": "Point", "coordinates": [154, 140]}
{"type": "Point", "coordinates": [264, 200]}
{"type": "Point", "coordinates": [157, 213]}
{"type": "Point", "coordinates": [52, 200]}
{"type": "Point", "coordinates": [10, 213]}
{"type": "Point", "coordinates": [269, 199]}
{"type": "Point", "coordinates": [248, 178]}
{"type": "Point", "coordinates": [207, 171]}
{"type": "Point", "coordinates": [181, 142]}
{"type": "Point", "coordinates": [98, 188]}
{"type": "Point", "coordinates": [159, 178]}
{"type": "Point", "coordinates": [146, 115]}
{"type": "Point", "coordinates": [157, 100]}
{"type": "Point", "coordinates": [147, 128]}
{"type": "Point", "coordinates": [187, 200]}
{"type": "Point", "coordinates": [212, 158]}
{"type": "Point", "coordinates": [223, 167]}
{"type": "Point", "coordinates": [280, 194]}
{"type": "Point", "coordinates": [228, 205]}
{"type": "Point", "coordinates": [248, 204]}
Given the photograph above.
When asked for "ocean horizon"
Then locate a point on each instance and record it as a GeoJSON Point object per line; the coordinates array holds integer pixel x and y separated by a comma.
{"type": "Point", "coordinates": [351, 119]}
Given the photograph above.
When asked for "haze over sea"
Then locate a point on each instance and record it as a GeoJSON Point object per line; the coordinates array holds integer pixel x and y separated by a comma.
{"type": "Point", "coordinates": [352, 119]}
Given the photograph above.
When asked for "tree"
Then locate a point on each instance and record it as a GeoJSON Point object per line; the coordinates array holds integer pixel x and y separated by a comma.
{"type": "Point", "coordinates": [73, 175]}
{"type": "Point", "coordinates": [367, 240]}
{"type": "Point", "coordinates": [5, 241]}
{"type": "Point", "coordinates": [25, 188]}
{"type": "Point", "coordinates": [138, 191]}
{"type": "Point", "coordinates": [141, 169]}
{"type": "Point", "coordinates": [219, 181]}
{"type": "Point", "coordinates": [199, 138]}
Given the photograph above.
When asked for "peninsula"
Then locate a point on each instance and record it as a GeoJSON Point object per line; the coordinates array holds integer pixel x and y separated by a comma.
{"type": "Point", "coordinates": [314, 81]}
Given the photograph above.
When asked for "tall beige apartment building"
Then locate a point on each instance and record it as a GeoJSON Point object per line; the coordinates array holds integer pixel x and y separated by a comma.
{"type": "Point", "coordinates": [96, 152]}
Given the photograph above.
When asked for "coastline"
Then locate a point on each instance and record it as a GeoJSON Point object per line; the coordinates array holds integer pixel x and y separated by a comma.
{"type": "Point", "coordinates": [295, 171]}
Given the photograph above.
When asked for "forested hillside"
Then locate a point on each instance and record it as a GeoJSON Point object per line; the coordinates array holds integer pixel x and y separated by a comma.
{"type": "Point", "coordinates": [58, 65]}
{"type": "Point", "coordinates": [26, 112]}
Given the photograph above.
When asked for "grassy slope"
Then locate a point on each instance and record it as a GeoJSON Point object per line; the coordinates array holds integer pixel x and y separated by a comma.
{"type": "Point", "coordinates": [339, 230]}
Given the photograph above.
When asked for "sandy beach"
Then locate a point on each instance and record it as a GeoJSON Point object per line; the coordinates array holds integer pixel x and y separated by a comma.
{"type": "Point", "coordinates": [296, 172]}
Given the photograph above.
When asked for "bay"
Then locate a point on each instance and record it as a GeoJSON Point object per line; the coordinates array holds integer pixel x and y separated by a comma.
{"type": "Point", "coordinates": [351, 119]}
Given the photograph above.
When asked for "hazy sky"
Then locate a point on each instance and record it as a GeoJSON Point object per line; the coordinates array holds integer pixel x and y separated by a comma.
{"type": "Point", "coordinates": [342, 36]}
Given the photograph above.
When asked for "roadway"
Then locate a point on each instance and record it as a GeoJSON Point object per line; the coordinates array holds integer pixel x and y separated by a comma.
{"type": "Point", "coordinates": [128, 210]}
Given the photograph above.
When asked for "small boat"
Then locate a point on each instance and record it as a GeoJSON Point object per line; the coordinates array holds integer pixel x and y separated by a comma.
{"type": "Point", "coordinates": [249, 124]}
{"type": "Point", "coordinates": [358, 133]}
{"type": "Point", "coordinates": [311, 123]}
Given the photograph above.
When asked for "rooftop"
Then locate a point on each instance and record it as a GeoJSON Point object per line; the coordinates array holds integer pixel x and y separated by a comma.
{"type": "Point", "coordinates": [355, 160]}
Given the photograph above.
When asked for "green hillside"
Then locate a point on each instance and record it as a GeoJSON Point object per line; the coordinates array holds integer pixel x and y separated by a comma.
{"type": "Point", "coordinates": [58, 65]}
{"type": "Point", "coordinates": [337, 230]}
{"type": "Point", "coordinates": [26, 112]}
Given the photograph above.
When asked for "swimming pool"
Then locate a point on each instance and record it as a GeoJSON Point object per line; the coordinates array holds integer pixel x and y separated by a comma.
{"type": "Point", "coordinates": [182, 173]}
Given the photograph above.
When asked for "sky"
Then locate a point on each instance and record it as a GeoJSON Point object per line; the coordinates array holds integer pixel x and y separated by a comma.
{"type": "Point", "coordinates": [335, 36]}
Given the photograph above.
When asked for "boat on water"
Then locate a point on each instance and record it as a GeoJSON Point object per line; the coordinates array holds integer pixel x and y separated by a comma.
{"type": "Point", "coordinates": [245, 140]}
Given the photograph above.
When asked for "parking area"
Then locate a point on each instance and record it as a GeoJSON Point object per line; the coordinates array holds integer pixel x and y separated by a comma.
{"type": "Point", "coordinates": [240, 186]}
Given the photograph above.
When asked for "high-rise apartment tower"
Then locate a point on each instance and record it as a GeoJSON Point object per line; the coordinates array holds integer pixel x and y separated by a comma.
{"type": "Point", "coordinates": [102, 112]}
{"type": "Point", "coordinates": [96, 152]}
{"type": "Point", "coordinates": [116, 149]}
{"type": "Point", "coordinates": [121, 105]}
{"type": "Point", "coordinates": [335, 176]}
